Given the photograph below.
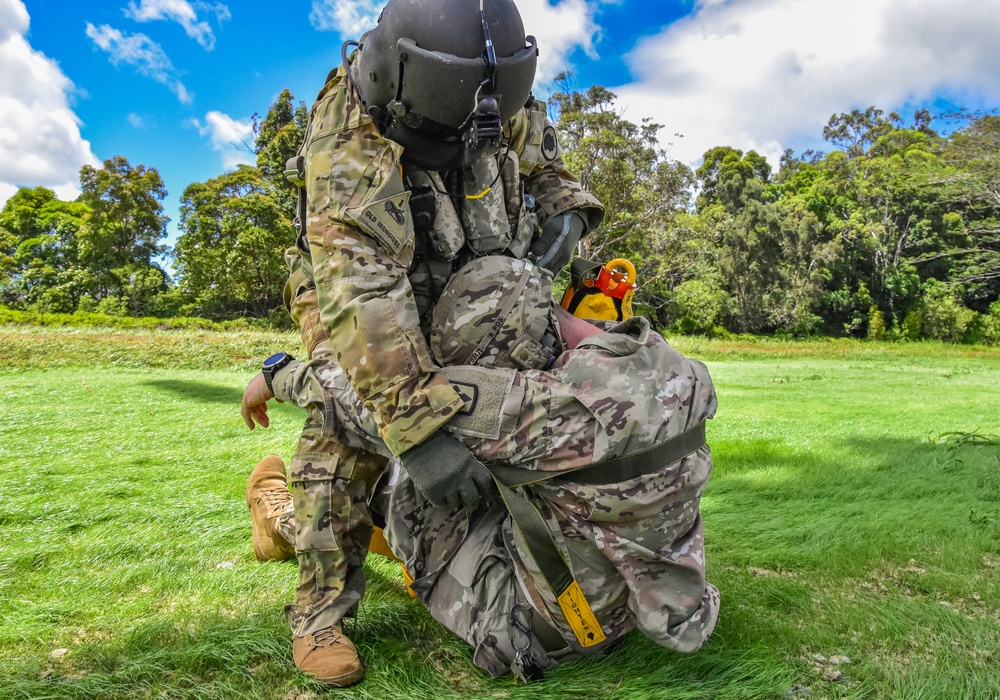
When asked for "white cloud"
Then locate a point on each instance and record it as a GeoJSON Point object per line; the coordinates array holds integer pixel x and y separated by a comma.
{"type": "Point", "coordinates": [351, 18]}
{"type": "Point", "coordinates": [768, 75]}
{"type": "Point", "coordinates": [228, 136]}
{"type": "Point", "coordinates": [135, 120]}
{"type": "Point", "coordinates": [6, 192]}
{"type": "Point", "coordinates": [13, 19]}
{"type": "Point", "coordinates": [40, 141]}
{"type": "Point", "coordinates": [559, 28]}
{"type": "Point", "coordinates": [141, 52]}
{"type": "Point", "coordinates": [183, 13]}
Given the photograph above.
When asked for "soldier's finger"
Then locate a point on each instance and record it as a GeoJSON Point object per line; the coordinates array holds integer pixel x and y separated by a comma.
{"type": "Point", "coordinates": [245, 412]}
{"type": "Point", "coordinates": [260, 413]}
{"type": "Point", "coordinates": [453, 501]}
{"type": "Point", "coordinates": [470, 497]}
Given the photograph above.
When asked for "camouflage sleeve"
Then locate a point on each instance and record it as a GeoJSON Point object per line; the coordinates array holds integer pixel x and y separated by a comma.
{"type": "Point", "coordinates": [529, 420]}
{"type": "Point", "coordinates": [361, 242]}
{"type": "Point", "coordinates": [323, 391]}
{"type": "Point", "coordinates": [533, 137]}
{"type": "Point", "coordinates": [302, 305]}
{"type": "Point", "coordinates": [298, 384]}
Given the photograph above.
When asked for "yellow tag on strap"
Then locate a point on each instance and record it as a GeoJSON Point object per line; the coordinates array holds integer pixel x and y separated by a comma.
{"type": "Point", "coordinates": [580, 617]}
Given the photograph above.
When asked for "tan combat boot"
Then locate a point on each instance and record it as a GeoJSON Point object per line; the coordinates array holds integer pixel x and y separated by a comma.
{"type": "Point", "coordinates": [329, 657]}
{"type": "Point", "coordinates": [268, 497]}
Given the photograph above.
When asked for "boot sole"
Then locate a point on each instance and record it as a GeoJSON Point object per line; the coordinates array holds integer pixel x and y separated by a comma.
{"type": "Point", "coordinates": [343, 680]}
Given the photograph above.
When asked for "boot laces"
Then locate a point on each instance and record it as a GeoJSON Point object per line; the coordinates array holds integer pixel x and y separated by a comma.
{"type": "Point", "coordinates": [275, 498]}
{"type": "Point", "coordinates": [326, 637]}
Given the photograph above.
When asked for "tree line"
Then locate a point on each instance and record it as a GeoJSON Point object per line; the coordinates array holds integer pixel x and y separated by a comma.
{"type": "Point", "coordinates": [894, 232]}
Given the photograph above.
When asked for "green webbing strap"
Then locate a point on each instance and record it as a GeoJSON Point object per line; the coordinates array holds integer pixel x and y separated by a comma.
{"type": "Point", "coordinates": [612, 471]}
{"type": "Point", "coordinates": [535, 531]}
{"type": "Point", "coordinates": [537, 536]}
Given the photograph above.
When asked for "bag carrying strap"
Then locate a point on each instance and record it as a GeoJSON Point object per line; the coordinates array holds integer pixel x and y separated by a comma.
{"type": "Point", "coordinates": [538, 537]}
{"type": "Point", "coordinates": [616, 469]}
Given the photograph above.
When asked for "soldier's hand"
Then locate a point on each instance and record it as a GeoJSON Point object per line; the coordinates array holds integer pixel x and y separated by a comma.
{"type": "Point", "coordinates": [447, 473]}
{"type": "Point", "coordinates": [254, 405]}
{"type": "Point", "coordinates": [557, 242]}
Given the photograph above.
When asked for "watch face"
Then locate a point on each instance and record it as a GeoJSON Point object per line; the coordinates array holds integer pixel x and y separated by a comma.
{"type": "Point", "coordinates": [275, 359]}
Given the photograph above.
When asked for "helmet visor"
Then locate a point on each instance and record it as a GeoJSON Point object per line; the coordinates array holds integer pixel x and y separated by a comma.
{"type": "Point", "coordinates": [445, 88]}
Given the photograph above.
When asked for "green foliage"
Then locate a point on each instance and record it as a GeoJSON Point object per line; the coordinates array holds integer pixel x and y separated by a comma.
{"type": "Point", "coordinates": [229, 260]}
{"type": "Point", "coordinates": [912, 326]}
{"type": "Point", "coordinates": [278, 137]}
{"type": "Point", "coordinates": [942, 315]}
{"type": "Point", "coordinates": [895, 217]}
{"type": "Point", "coordinates": [39, 262]}
{"type": "Point", "coordinates": [877, 222]}
{"type": "Point", "coordinates": [698, 306]}
{"type": "Point", "coordinates": [120, 236]}
{"type": "Point", "coordinates": [112, 312]}
{"type": "Point", "coordinates": [989, 329]}
{"type": "Point", "coordinates": [876, 324]}
{"type": "Point", "coordinates": [725, 172]}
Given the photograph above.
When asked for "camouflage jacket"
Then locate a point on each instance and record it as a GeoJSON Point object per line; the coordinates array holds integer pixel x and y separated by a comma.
{"type": "Point", "coordinates": [352, 293]}
{"type": "Point", "coordinates": [635, 547]}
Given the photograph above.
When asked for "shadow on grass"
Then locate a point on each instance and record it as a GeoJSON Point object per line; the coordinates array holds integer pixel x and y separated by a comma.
{"type": "Point", "coordinates": [199, 391]}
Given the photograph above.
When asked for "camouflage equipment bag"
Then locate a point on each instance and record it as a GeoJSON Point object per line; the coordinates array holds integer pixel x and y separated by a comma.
{"type": "Point", "coordinates": [491, 310]}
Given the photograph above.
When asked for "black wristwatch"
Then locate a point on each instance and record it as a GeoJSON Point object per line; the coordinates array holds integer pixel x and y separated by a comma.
{"type": "Point", "coordinates": [272, 365]}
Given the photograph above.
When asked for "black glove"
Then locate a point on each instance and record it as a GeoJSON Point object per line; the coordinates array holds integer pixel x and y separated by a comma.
{"type": "Point", "coordinates": [447, 473]}
{"type": "Point", "coordinates": [557, 242]}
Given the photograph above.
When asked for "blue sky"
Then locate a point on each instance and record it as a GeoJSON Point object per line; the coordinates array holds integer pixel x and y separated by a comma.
{"type": "Point", "coordinates": [172, 84]}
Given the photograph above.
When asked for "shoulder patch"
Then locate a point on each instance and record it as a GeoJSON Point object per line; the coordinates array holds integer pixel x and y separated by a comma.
{"type": "Point", "coordinates": [550, 143]}
{"type": "Point", "coordinates": [387, 220]}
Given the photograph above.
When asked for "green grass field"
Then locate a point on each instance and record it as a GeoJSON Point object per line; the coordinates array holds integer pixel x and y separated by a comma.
{"type": "Point", "coordinates": [852, 526]}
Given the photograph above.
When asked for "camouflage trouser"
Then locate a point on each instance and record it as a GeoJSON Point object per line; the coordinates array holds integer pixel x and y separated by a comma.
{"type": "Point", "coordinates": [464, 575]}
{"type": "Point", "coordinates": [330, 525]}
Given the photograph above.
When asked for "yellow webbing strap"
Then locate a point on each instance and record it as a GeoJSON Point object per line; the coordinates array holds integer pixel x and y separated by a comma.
{"type": "Point", "coordinates": [543, 549]}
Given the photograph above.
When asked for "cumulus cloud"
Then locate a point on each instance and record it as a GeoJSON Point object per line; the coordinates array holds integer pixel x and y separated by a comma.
{"type": "Point", "coordinates": [40, 141]}
{"type": "Point", "coordinates": [560, 28]}
{"type": "Point", "coordinates": [230, 137]}
{"type": "Point", "coordinates": [140, 52]}
{"type": "Point", "coordinates": [183, 13]}
{"type": "Point", "coordinates": [13, 19]}
{"type": "Point", "coordinates": [348, 17]}
{"type": "Point", "coordinates": [768, 75]}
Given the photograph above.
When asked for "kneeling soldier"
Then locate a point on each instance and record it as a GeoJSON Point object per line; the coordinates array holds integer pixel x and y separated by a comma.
{"type": "Point", "coordinates": [595, 440]}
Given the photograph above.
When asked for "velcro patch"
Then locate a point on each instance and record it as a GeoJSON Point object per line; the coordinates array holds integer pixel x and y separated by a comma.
{"type": "Point", "coordinates": [387, 220]}
{"type": "Point", "coordinates": [485, 393]}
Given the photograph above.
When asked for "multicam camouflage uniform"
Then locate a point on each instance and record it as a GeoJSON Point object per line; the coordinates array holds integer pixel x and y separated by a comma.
{"type": "Point", "coordinates": [362, 282]}
{"type": "Point", "coordinates": [636, 547]}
